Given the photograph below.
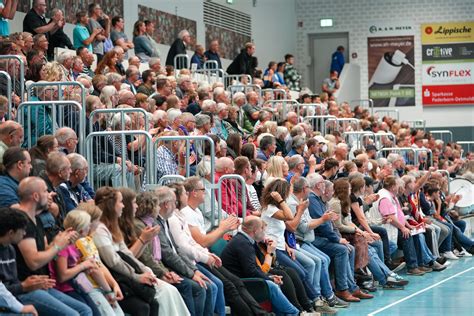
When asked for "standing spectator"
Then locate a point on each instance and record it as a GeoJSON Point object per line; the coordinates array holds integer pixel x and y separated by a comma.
{"type": "Point", "coordinates": [7, 12]}
{"type": "Point", "coordinates": [291, 75]}
{"type": "Point", "coordinates": [150, 30]}
{"type": "Point", "coordinates": [243, 63]}
{"type": "Point", "coordinates": [143, 46]}
{"type": "Point", "coordinates": [35, 21]}
{"type": "Point", "coordinates": [81, 35]}
{"type": "Point", "coordinates": [58, 38]}
{"type": "Point", "coordinates": [95, 12]}
{"type": "Point", "coordinates": [337, 60]}
{"type": "Point", "coordinates": [198, 58]}
{"type": "Point", "coordinates": [118, 37]}
{"type": "Point", "coordinates": [178, 47]}
{"type": "Point", "coordinates": [213, 53]}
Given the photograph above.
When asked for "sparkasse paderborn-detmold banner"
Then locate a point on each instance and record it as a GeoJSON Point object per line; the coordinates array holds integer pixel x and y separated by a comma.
{"type": "Point", "coordinates": [448, 63]}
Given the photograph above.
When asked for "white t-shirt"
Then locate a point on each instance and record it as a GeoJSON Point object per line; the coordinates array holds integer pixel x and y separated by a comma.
{"type": "Point", "coordinates": [194, 218]}
{"type": "Point", "coordinates": [275, 228]}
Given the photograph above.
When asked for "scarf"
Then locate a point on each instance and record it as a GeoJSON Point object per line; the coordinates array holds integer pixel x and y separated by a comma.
{"type": "Point", "coordinates": [155, 242]}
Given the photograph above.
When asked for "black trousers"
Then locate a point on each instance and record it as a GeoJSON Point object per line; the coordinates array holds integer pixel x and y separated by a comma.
{"type": "Point", "coordinates": [293, 288]}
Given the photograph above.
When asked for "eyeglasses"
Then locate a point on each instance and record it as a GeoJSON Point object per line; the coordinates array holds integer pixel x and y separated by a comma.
{"type": "Point", "coordinates": [201, 189]}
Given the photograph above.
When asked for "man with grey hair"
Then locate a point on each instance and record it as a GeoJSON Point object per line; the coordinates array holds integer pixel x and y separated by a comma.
{"type": "Point", "coordinates": [178, 48]}
{"type": "Point", "coordinates": [67, 140]}
{"type": "Point", "coordinates": [329, 242]}
{"type": "Point", "coordinates": [160, 122]}
{"type": "Point", "coordinates": [127, 97]}
{"type": "Point", "coordinates": [209, 106]}
{"type": "Point", "coordinates": [57, 38]}
{"type": "Point", "coordinates": [155, 64]}
{"type": "Point", "coordinates": [303, 226]}
{"type": "Point", "coordinates": [296, 165]}
{"type": "Point", "coordinates": [220, 95]}
{"type": "Point", "coordinates": [72, 190]}
{"type": "Point", "coordinates": [219, 128]}
{"type": "Point", "coordinates": [114, 79]}
{"type": "Point", "coordinates": [65, 60]}
{"type": "Point", "coordinates": [267, 147]}
{"type": "Point", "coordinates": [203, 124]}
{"type": "Point", "coordinates": [184, 86]}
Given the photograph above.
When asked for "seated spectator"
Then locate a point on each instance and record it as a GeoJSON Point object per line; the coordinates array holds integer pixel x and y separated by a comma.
{"type": "Point", "coordinates": [41, 44]}
{"type": "Point", "coordinates": [67, 140]}
{"type": "Point", "coordinates": [178, 48]}
{"type": "Point", "coordinates": [33, 254]}
{"type": "Point", "coordinates": [39, 154]}
{"type": "Point", "coordinates": [198, 58]}
{"type": "Point", "coordinates": [277, 168]}
{"type": "Point", "coordinates": [117, 257]}
{"type": "Point", "coordinates": [267, 147]}
{"type": "Point", "coordinates": [252, 109]}
{"type": "Point", "coordinates": [143, 47]}
{"type": "Point", "coordinates": [11, 135]}
{"type": "Point", "coordinates": [87, 59]}
{"type": "Point", "coordinates": [108, 63]}
{"type": "Point", "coordinates": [148, 85]}
{"type": "Point", "coordinates": [166, 160]}
{"type": "Point", "coordinates": [72, 190]}
{"type": "Point", "coordinates": [17, 166]}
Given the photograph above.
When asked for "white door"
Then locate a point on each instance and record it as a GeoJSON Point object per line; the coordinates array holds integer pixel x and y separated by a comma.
{"type": "Point", "coordinates": [321, 48]}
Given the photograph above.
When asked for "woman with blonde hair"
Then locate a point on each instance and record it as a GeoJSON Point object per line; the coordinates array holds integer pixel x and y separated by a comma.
{"type": "Point", "coordinates": [277, 167]}
{"type": "Point", "coordinates": [109, 96]}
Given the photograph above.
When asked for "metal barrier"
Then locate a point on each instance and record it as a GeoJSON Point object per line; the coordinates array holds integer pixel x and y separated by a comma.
{"type": "Point", "coordinates": [416, 124]}
{"type": "Point", "coordinates": [237, 79]}
{"type": "Point", "coordinates": [388, 113]}
{"type": "Point", "coordinates": [122, 112]}
{"type": "Point", "coordinates": [112, 162]}
{"type": "Point", "coordinates": [209, 75]}
{"type": "Point", "coordinates": [51, 115]}
{"type": "Point", "coordinates": [59, 85]}
{"type": "Point", "coordinates": [379, 139]}
{"type": "Point", "coordinates": [405, 150]}
{"type": "Point", "coordinates": [211, 64]}
{"type": "Point", "coordinates": [357, 138]}
{"type": "Point", "coordinates": [277, 94]}
{"type": "Point", "coordinates": [8, 79]}
{"type": "Point", "coordinates": [318, 122]}
{"type": "Point", "coordinates": [245, 89]}
{"type": "Point", "coordinates": [428, 152]}
{"type": "Point", "coordinates": [13, 74]}
{"type": "Point", "coordinates": [361, 101]}
{"type": "Point", "coordinates": [170, 178]}
{"type": "Point", "coordinates": [233, 180]}
{"type": "Point", "coordinates": [180, 61]}
{"type": "Point", "coordinates": [344, 126]}
{"type": "Point", "coordinates": [442, 133]}
{"type": "Point", "coordinates": [310, 109]}
{"type": "Point", "coordinates": [466, 143]}
{"type": "Point", "coordinates": [282, 107]}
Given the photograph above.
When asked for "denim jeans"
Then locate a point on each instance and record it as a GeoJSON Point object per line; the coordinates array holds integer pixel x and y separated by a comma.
{"type": "Point", "coordinates": [103, 305]}
{"type": "Point", "coordinates": [378, 246]}
{"type": "Point", "coordinates": [382, 232]}
{"type": "Point", "coordinates": [284, 259]}
{"type": "Point", "coordinates": [325, 280]}
{"type": "Point", "coordinates": [409, 251]}
{"type": "Point", "coordinates": [217, 292]}
{"type": "Point", "coordinates": [424, 255]}
{"type": "Point", "coordinates": [341, 258]}
{"type": "Point", "coordinates": [194, 296]}
{"type": "Point", "coordinates": [465, 241]}
{"type": "Point", "coordinates": [393, 248]}
{"type": "Point", "coordinates": [53, 302]}
{"type": "Point", "coordinates": [312, 264]}
{"type": "Point", "coordinates": [377, 267]}
{"type": "Point", "coordinates": [280, 304]}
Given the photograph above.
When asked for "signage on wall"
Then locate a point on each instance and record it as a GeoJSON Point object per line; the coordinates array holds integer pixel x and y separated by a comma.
{"type": "Point", "coordinates": [391, 64]}
{"type": "Point", "coordinates": [448, 63]}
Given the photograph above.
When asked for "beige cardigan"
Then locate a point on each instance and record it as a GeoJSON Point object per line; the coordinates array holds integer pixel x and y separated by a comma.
{"type": "Point", "coordinates": [343, 223]}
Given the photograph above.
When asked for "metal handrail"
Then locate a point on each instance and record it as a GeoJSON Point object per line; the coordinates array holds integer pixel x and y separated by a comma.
{"type": "Point", "coordinates": [22, 73]}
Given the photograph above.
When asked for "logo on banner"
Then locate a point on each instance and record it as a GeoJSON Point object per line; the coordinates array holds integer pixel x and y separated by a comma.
{"type": "Point", "coordinates": [374, 29]}
{"type": "Point", "coordinates": [452, 30]}
{"type": "Point", "coordinates": [439, 52]}
{"type": "Point", "coordinates": [462, 73]}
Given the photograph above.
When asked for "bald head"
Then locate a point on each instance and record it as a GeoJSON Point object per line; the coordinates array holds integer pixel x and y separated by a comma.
{"type": "Point", "coordinates": [225, 165]}
{"type": "Point", "coordinates": [251, 222]}
{"type": "Point", "coordinates": [29, 187]}
{"type": "Point", "coordinates": [11, 133]}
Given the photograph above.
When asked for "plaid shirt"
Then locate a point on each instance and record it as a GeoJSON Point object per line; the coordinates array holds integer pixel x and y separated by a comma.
{"type": "Point", "coordinates": [166, 163]}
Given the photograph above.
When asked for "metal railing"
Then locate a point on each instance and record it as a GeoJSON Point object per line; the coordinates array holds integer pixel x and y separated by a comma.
{"type": "Point", "coordinates": [389, 114]}
{"type": "Point", "coordinates": [211, 64]}
{"type": "Point", "coordinates": [379, 139]}
{"type": "Point", "coordinates": [123, 112]}
{"type": "Point", "coordinates": [277, 94]}
{"type": "Point", "coordinates": [232, 208]}
{"type": "Point", "coordinates": [318, 122]}
{"type": "Point", "coordinates": [40, 118]}
{"type": "Point", "coordinates": [418, 154]}
{"type": "Point", "coordinates": [9, 114]}
{"type": "Point", "coordinates": [209, 75]}
{"type": "Point", "coordinates": [61, 86]}
{"type": "Point", "coordinates": [237, 79]}
{"type": "Point", "coordinates": [170, 178]}
{"type": "Point", "coordinates": [310, 109]}
{"type": "Point", "coordinates": [406, 150]}
{"type": "Point", "coordinates": [342, 125]}
{"type": "Point", "coordinates": [364, 103]}
{"type": "Point", "coordinates": [282, 107]}
{"type": "Point", "coordinates": [13, 74]}
{"type": "Point", "coordinates": [466, 143]}
{"type": "Point", "coordinates": [442, 134]}
{"type": "Point", "coordinates": [180, 61]}
{"type": "Point", "coordinates": [416, 124]}
{"type": "Point", "coordinates": [356, 138]}
{"type": "Point", "coordinates": [112, 162]}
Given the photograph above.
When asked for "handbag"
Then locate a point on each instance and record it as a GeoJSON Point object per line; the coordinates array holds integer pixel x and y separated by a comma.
{"type": "Point", "coordinates": [131, 287]}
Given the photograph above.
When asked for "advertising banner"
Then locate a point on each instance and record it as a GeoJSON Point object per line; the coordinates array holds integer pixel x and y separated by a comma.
{"type": "Point", "coordinates": [391, 72]}
{"type": "Point", "coordinates": [448, 63]}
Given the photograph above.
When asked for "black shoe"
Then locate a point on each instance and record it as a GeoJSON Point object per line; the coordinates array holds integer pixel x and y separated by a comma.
{"type": "Point", "coordinates": [470, 250]}
{"type": "Point", "coordinates": [336, 302]}
{"type": "Point", "coordinates": [441, 260]}
{"type": "Point", "coordinates": [369, 286]}
{"type": "Point", "coordinates": [389, 286]}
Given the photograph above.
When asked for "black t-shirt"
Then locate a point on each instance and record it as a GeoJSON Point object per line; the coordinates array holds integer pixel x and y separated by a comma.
{"type": "Point", "coordinates": [32, 21]}
{"type": "Point", "coordinates": [355, 199]}
{"type": "Point", "coordinates": [36, 232]}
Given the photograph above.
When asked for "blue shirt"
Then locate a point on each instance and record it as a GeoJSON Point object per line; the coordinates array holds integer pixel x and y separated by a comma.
{"type": "Point", "coordinates": [8, 191]}
{"type": "Point", "coordinates": [337, 61]}
{"type": "Point", "coordinates": [79, 35]}
{"type": "Point", "coordinates": [316, 210]}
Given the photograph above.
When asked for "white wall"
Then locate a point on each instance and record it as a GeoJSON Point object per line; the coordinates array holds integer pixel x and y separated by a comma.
{"type": "Point", "coordinates": [355, 17]}
{"type": "Point", "coordinates": [273, 23]}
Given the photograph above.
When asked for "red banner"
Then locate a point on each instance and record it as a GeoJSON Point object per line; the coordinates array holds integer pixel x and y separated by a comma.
{"type": "Point", "coordinates": [448, 94]}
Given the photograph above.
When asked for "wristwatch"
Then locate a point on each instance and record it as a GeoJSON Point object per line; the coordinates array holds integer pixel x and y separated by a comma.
{"type": "Point", "coordinates": [272, 254]}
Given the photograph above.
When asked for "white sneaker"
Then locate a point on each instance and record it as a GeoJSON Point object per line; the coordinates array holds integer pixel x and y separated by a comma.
{"type": "Point", "coordinates": [450, 255]}
{"type": "Point", "coordinates": [464, 253]}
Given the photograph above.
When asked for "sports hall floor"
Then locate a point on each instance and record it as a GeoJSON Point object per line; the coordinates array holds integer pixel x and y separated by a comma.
{"type": "Point", "coordinates": [450, 292]}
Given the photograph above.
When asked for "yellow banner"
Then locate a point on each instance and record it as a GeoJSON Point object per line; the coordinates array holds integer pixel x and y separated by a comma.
{"type": "Point", "coordinates": [440, 33]}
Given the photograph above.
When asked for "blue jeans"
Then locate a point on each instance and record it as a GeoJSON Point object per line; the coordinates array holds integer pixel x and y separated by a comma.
{"type": "Point", "coordinates": [194, 296]}
{"type": "Point", "coordinates": [409, 251]}
{"type": "Point", "coordinates": [423, 253]}
{"type": "Point", "coordinates": [285, 260]}
{"type": "Point", "coordinates": [377, 267]}
{"type": "Point", "coordinates": [280, 304]}
{"type": "Point", "coordinates": [465, 241]}
{"type": "Point", "coordinates": [53, 302]}
{"type": "Point", "coordinates": [325, 280]}
{"type": "Point", "coordinates": [378, 245]}
{"type": "Point", "coordinates": [312, 264]}
{"type": "Point", "coordinates": [218, 292]}
{"type": "Point", "coordinates": [341, 257]}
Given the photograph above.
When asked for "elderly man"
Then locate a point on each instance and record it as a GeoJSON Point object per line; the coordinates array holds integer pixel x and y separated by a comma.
{"type": "Point", "coordinates": [184, 86]}
{"type": "Point", "coordinates": [127, 97]}
{"type": "Point", "coordinates": [178, 47]}
{"type": "Point", "coordinates": [155, 64]}
{"type": "Point", "coordinates": [72, 191]}
{"type": "Point", "coordinates": [67, 140]}
{"type": "Point", "coordinates": [11, 135]}
{"type": "Point", "coordinates": [267, 147]}
{"type": "Point", "coordinates": [87, 59]}
{"type": "Point", "coordinates": [17, 166]}
{"type": "Point", "coordinates": [35, 21]}
{"type": "Point", "coordinates": [252, 109]}
{"type": "Point", "coordinates": [213, 53]}
{"type": "Point", "coordinates": [222, 114]}
{"type": "Point", "coordinates": [166, 157]}
{"type": "Point", "coordinates": [65, 60]}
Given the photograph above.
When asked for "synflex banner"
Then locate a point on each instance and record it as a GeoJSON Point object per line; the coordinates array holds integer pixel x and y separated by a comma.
{"type": "Point", "coordinates": [391, 64]}
{"type": "Point", "coordinates": [448, 63]}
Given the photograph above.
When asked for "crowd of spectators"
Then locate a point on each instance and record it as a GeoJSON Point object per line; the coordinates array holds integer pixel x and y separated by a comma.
{"type": "Point", "coordinates": [320, 220]}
